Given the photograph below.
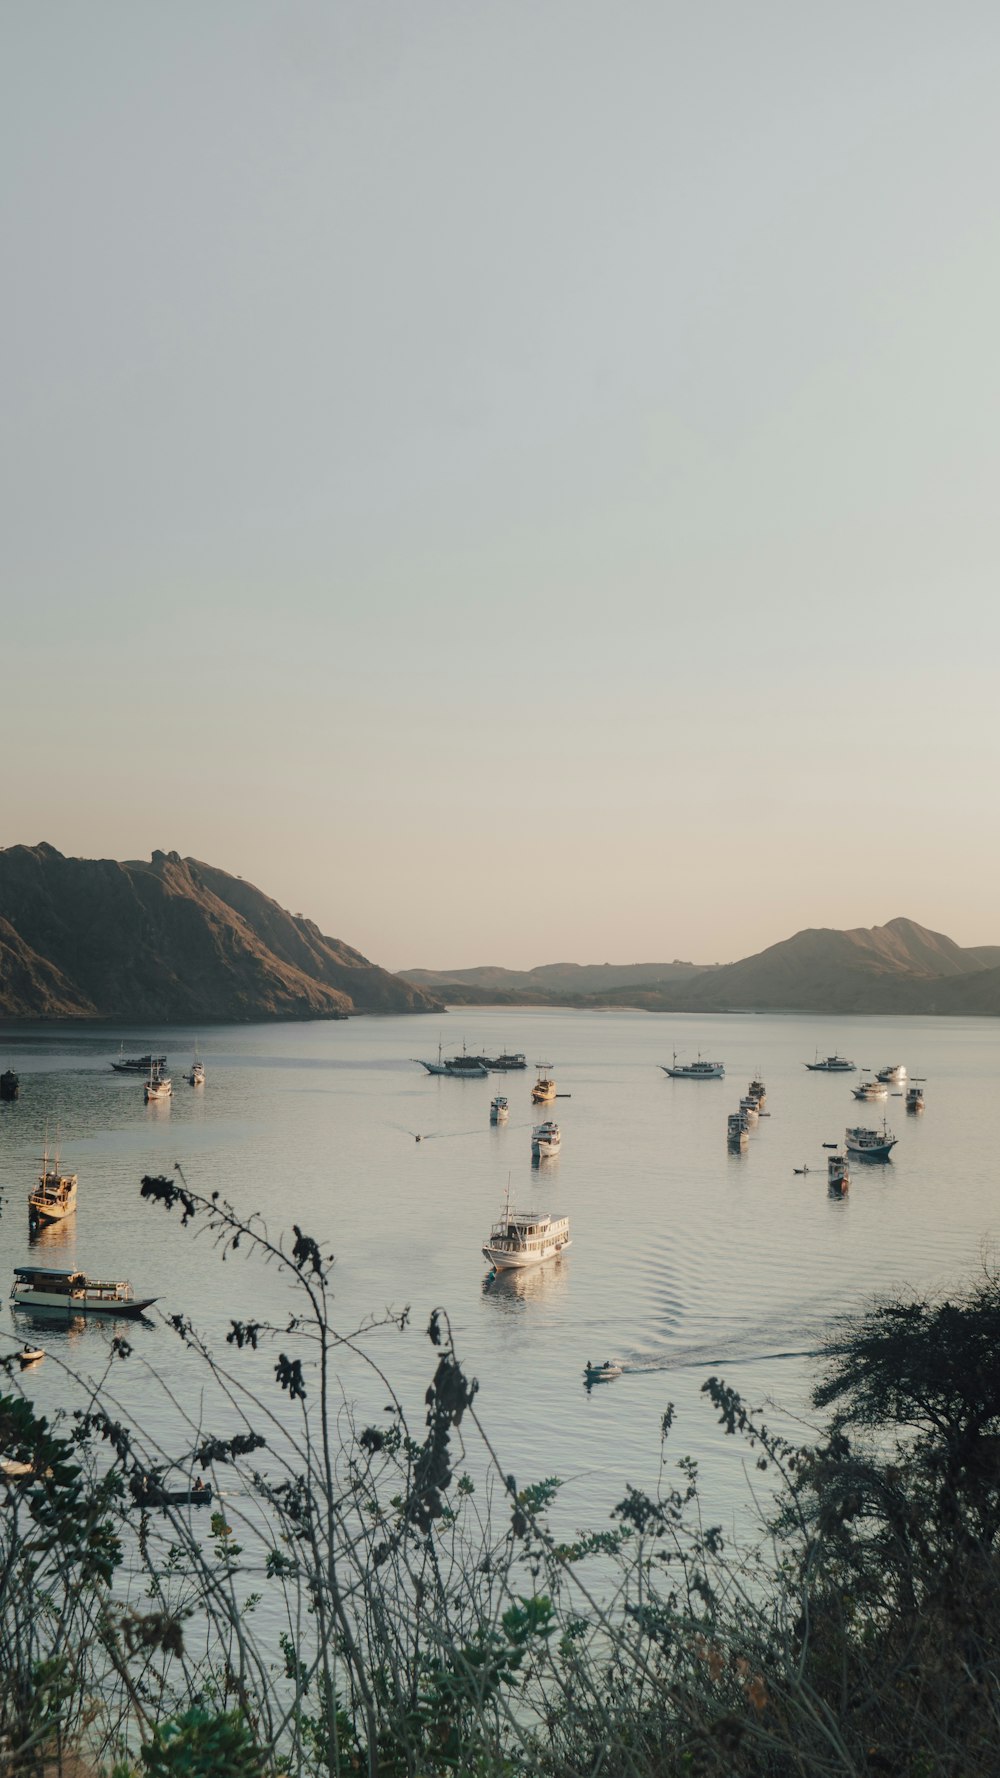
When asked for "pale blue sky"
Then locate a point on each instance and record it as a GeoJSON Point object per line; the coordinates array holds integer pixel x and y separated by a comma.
{"type": "Point", "coordinates": [516, 482]}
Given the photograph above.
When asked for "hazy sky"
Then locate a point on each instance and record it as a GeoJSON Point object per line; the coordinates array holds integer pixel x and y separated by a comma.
{"type": "Point", "coordinates": [517, 482]}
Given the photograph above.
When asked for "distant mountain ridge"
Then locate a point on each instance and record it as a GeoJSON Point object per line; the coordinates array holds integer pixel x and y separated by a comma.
{"type": "Point", "coordinates": [171, 939]}
{"type": "Point", "coordinates": [900, 967]}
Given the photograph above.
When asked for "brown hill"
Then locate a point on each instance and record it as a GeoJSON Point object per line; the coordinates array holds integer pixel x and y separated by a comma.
{"type": "Point", "coordinates": [168, 940]}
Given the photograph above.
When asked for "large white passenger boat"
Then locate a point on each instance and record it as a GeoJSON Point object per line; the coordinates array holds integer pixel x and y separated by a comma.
{"type": "Point", "coordinates": [546, 1139]}
{"type": "Point", "coordinates": [521, 1238]}
{"type": "Point", "coordinates": [694, 1070]}
{"type": "Point", "coordinates": [51, 1287]}
{"type": "Point", "coordinates": [53, 1198]}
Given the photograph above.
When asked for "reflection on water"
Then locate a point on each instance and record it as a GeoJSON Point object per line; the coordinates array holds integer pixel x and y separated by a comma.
{"type": "Point", "coordinates": [54, 1237]}
{"type": "Point", "coordinates": [512, 1289]}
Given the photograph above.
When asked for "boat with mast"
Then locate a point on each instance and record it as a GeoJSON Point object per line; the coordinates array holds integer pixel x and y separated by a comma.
{"type": "Point", "coordinates": [870, 1145]}
{"type": "Point", "coordinates": [523, 1238]}
{"type": "Point", "coordinates": [53, 1197]}
{"type": "Point", "coordinates": [463, 1067]}
{"type": "Point", "coordinates": [831, 1065]}
{"type": "Point", "coordinates": [137, 1064]}
{"type": "Point", "coordinates": [544, 1088]}
{"type": "Point", "coordinates": [699, 1070]}
{"type": "Point", "coordinates": [546, 1141]}
{"type": "Point", "coordinates": [158, 1086]}
{"type": "Point", "coordinates": [72, 1292]}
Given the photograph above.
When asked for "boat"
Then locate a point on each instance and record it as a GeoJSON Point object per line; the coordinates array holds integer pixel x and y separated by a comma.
{"type": "Point", "coordinates": [694, 1070]}
{"type": "Point", "coordinates": [137, 1064]}
{"type": "Point", "coordinates": [53, 1198]}
{"type": "Point", "coordinates": [602, 1373]}
{"type": "Point", "coordinates": [463, 1067]}
{"type": "Point", "coordinates": [757, 1091]}
{"type": "Point", "coordinates": [148, 1490]}
{"type": "Point", "coordinates": [544, 1088]}
{"type": "Point", "coordinates": [505, 1064]}
{"type": "Point", "coordinates": [196, 1078]}
{"type": "Point", "coordinates": [521, 1238]}
{"type": "Point", "coordinates": [10, 1084]}
{"type": "Point", "coordinates": [546, 1140]}
{"type": "Point", "coordinates": [870, 1145]}
{"type": "Point", "coordinates": [750, 1112]}
{"type": "Point", "coordinates": [30, 1355]}
{"type": "Point", "coordinates": [871, 1089]}
{"type": "Point", "coordinates": [915, 1097]}
{"type": "Point", "coordinates": [838, 1174]}
{"type": "Point", "coordinates": [52, 1287]}
{"type": "Point", "coordinates": [158, 1086]}
{"type": "Point", "coordinates": [737, 1132]}
{"type": "Point", "coordinates": [499, 1109]}
{"type": "Point", "coordinates": [893, 1073]}
{"type": "Point", "coordinates": [831, 1065]}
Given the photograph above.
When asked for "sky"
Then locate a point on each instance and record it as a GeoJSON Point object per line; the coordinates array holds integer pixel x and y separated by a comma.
{"type": "Point", "coordinates": [517, 483]}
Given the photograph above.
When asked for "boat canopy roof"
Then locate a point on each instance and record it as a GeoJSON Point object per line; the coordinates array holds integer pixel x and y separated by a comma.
{"type": "Point", "coordinates": [46, 1272]}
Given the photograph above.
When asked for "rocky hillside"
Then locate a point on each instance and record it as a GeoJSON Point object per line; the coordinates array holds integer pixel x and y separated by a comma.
{"type": "Point", "coordinates": [900, 967]}
{"type": "Point", "coordinates": [172, 939]}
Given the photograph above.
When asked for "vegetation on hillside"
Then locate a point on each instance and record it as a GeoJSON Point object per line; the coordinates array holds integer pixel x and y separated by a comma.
{"type": "Point", "coordinates": [373, 1609]}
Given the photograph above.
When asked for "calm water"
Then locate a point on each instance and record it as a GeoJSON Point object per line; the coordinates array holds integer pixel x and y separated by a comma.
{"type": "Point", "coordinates": [685, 1259]}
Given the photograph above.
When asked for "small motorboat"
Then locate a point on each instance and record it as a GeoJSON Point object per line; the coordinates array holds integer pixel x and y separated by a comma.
{"type": "Point", "coordinates": [30, 1355]}
{"type": "Point", "coordinates": [602, 1373]}
{"type": "Point", "coordinates": [869, 1145]}
{"type": "Point", "coordinates": [148, 1490]}
{"type": "Point", "coordinates": [158, 1086]}
{"type": "Point", "coordinates": [499, 1109]}
{"type": "Point", "coordinates": [838, 1175]}
{"type": "Point", "coordinates": [803, 1169]}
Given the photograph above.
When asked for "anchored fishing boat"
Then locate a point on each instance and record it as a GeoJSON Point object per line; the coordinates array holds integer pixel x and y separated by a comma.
{"type": "Point", "coordinates": [499, 1109]}
{"type": "Point", "coordinates": [463, 1067]}
{"type": "Point", "coordinates": [158, 1086]}
{"type": "Point", "coordinates": [915, 1097]}
{"type": "Point", "coordinates": [838, 1174]}
{"type": "Point", "coordinates": [870, 1145]}
{"type": "Point", "coordinates": [51, 1287]}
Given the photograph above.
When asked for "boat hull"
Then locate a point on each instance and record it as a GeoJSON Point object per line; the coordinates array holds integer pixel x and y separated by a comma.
{"type": "Point", "coordinates": [78, 1305]}
{"type": "Point", "coordinates": [504, 1260]}
{"type": "Point", "coordinates": [718, 1073]}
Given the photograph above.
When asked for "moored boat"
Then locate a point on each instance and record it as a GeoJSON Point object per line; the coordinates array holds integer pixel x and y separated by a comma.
{"type": "Point", "coordinates": [521, 1238]}
{"type": "Point", "coordinates": [53, 1197]}
{"type": "Point", "coordinates": [544, 1088]}
{"type": "Point", "coordinates": [546, 1140]}
{"type": "Point", "coordinates": [196, 1078]}
{"type": "Point", "coordinates": [29, 1355]}
{"type": "Point", "coordinates": [758, 1090]}
{"type": "Point", "coordinates": [893, 1073]}
{"type": "Point", "coordinates": [838, 1174]}
{"type": "Point", "coordinates": [137, 1064]}
{"type": "Point", "coordinates": [699, 1070]}
{"type": "Point", "coordinates": [737, 1130]}
{"type": "Point", "coordinates": [505, 1064]}
{"type": "Point", "coordinates": [51, 1287]}
{"type": "Point", "coordinates": [915, 1097]}
{"type": "Point", "coordinates": [870, 1089]}
{"type": "Point", "coordinates": [748, 1107]}
{"type": "Point", "coordinates": [831, 1065]}
{"type": "Point", "coordinates": [499, 1109]}
{"type": "Point", "coordinates": [10, 1084]}
{"type": "Point", "coordinates": [463, 1067]}
{"type": "Point", "coordinates": [869, 1145]}
{"type": "Point", "coordinates": [158, 1086]}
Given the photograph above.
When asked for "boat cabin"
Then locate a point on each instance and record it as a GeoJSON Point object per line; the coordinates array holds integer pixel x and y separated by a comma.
{"type": "Point", "coordinates": [57, 1282]}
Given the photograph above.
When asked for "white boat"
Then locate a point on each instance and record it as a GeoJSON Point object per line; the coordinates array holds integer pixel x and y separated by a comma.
{"type": "Point", "coordinates": [870, 1145]}
{"type": "Point", "coordinates": [915, 1097]}
{"type": "Point", "coordinates": [694, 1070]}
{"type": "Point", "coordinates": [602, 1373]}
{"type": "Point", "coordinates": [499, 1109]}
{"type": "Point", "coordinates": [158, 1086]}
{"type": "Point", "coordinates": [893, 1072]}
{"type": "Point", "coordinates": [521, 1238]}
{"type": "Point", "coordinates": [831, 1065]}
{"type": "Point", "coordinates": [463, 1067]}
{"type": "Point", "coordinates": [750, 1112]}
{"type": "Point", "coordinates": [53, 1198]}
{"type": "Point", "coordinates": [546, 1139]}
{"type": "Point", "coordinates": [30, 1355]}
{"type": "Point", "coordinates": [737, 1130]}
{"type": "Point", "coordinates": [838, 1174]}
{"type": "Point", "coordinates": [871, 1089]}
{"type": "Point", "coordinates": [544, 1088]}
{"type": "Point", "coordinates": [757, 1091]}
{"type": "Point", "coordinates": [196, 1078]}
{"type": "Point", "coordinates": [50, 1287]}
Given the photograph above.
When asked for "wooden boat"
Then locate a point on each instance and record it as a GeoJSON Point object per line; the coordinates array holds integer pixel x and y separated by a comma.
{"type": "Point", "coordinates": [53, 1198]}
{"type": "Point", "coordinates": [30, 1355]}
{"type": "Point", "coordinates": [499, 1109]}
{"type": "Point", "coordinates": [73, 1293]}
{"type": "Point", "coordinates": [157, 1086]}
{"type": "Point", "coordinates": [544, 1088]}
{"type": "Point", "coordinates": [196, 1078]}
{"type": "Point", "coordinates": [148, 1490]}
{"type": "Point", "coordinates": [137, 1064]}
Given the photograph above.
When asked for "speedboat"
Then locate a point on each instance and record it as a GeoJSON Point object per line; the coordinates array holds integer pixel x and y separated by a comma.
{"type": "Point", "coordinates": [694, 1070]}
{"type": "Point", "coordinates": [546, 1140]}
{"type": "Point", "coordinates": [544, 1088]}
{"type": "Point", "coordinates": [50, 1287]}
{"type": "Point", "coordinates": [196, 1078]}
{"type": "Point", "coordinates": [871, 1089]}
{"type": "Point", "coordinates": [10, 1084]}
{"type": "Point", "coordinates": [915, 1097]}
{"type": "Point", "coordinates": [521, 1238]}
{"type": "Point", "coordinates": [158, 1086]}
{"type": "Point", "coordinates": [831, 1065]}
{"type": "Point", "coordinates": [463, 1067]}
{"type": "Point", "coordinates": [870, 1145]}
{"type": "Point", "coordinates": [53, 1198]}
{"type": "Point", "coordinates": [894, 1072]}
{"type": "Point", "coordinates": [499, 1109]}
{"type": "Point", "coordinates": [838, 1175]}
{"type": "Point", "coordinates": [737, 1130]}
{"type": "Point", "coordinates": [602, 1373]}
